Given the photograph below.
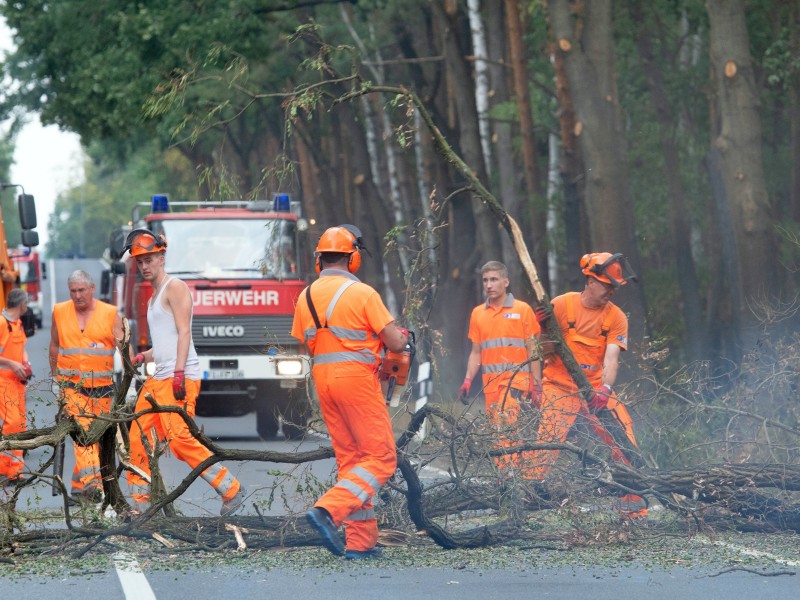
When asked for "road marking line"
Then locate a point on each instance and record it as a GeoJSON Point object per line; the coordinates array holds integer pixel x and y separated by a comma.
{"type": "Point", "coordinates": [134, 584]}
{"type": "Point", "coordinates": [757, 553]}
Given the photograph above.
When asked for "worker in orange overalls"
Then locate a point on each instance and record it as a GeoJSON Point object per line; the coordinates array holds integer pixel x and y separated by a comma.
{"type": "Point", "coordinates": [176, 381]}
{"type": "Point", "coordinates": [15, 371]}
{"type": "Point", "coordinates": [344, 324]}
{"type": "Point", "coordinates": [596, 331]}
{"type": "Point", "coordinates": [503, 333]}
{"type": "Point", "coordinates": [83, 339]}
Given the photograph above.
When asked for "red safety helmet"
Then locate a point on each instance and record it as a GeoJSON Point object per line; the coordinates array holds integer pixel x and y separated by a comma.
{"type": "Point", "coordinates": [344, 239]}
{"type": "Point", "coordinates": [608, 268]}
{"type": "Point", "coordinates": [143, 241]}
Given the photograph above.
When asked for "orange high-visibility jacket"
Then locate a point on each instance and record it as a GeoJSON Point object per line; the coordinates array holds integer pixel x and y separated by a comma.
{"type": "Point", "coordinates": [587, 332]}
{"type": "Point", "coordinates": [12, 344]}
{"type": "Point", "coordinates": [501, 334]}
{"type": "Point", "coordinates": [85, 357]}
{"type": "Point", "coordinates": [349, 337]}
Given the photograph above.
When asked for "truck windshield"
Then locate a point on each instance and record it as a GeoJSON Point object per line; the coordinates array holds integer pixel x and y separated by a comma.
{"type": "Point", "coordinates": [231, 248]}
{"type": "Point", "coordinates": [27, 271]}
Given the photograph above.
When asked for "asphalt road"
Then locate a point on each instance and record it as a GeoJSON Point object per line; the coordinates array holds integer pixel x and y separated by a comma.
{"type": "Point", "coordinates": [667, 569]}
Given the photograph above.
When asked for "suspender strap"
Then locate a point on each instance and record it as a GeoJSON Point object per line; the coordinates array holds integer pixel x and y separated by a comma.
{"type": "Point", "coordinates": [571, 321]}
{"type": "Point", "coordinates": [606, 323]}
{"type": "Point", "coordinates": [312, 309]}
{"type": "Point", "coordinates": [331, 306]}
{"type": "Point", "coordinates": [571, 311]}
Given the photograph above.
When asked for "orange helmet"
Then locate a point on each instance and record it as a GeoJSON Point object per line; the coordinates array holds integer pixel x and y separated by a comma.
{"type": "Point", "coordinates": [344, 239]}
{"type": "Point", "coordinates": [607, 267]}
{"type": "Point", "coordinates": [144, 241]}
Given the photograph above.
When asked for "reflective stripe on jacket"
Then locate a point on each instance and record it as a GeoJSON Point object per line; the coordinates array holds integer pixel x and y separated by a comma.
{"type": "Point", "coordinates": [85, 357]}
{"type": "Point", "coordinates": [501, 334]}
{"type": "Point", "coordinates": [586, 332]}
{"type": "Point", "coordinates": [350, 315]}
{"type": "Point", "coordinates": [12, 344]}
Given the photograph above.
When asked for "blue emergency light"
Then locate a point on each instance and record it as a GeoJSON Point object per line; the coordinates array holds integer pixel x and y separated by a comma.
{"type": "Point", "coordinates": [160, 204]}
{"type": "Point", "coordinates": [281, 202]}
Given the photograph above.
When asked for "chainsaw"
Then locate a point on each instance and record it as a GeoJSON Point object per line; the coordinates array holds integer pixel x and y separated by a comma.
{"type": "Point", "coordinates": [396, 366]}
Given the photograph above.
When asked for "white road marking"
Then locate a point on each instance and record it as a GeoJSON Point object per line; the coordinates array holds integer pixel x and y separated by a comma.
{"type": "Point", "coordinates": [756, 553]}
{"type": "Point", "coordinates": [134, 584]}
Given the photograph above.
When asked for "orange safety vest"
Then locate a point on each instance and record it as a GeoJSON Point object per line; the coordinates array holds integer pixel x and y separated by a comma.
{"type": "Point", "coordinates": [589, 352]}
{"type": "Point", "coordinates": [85, 358]}
{"type": "Point", "coordinates": [337, 344]}
{"type": "Point", "coordinates": [13, 344]}
{"type": "Point", "coordinates": [503, 334]}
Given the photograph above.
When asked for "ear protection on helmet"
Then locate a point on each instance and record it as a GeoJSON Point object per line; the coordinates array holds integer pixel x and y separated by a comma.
{"type": "Point", "coordinates": [343, 239]}
{"type": "Point", "coordinates": [144, 241]}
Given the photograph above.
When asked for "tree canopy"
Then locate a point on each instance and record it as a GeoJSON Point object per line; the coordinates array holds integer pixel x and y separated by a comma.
{"type": "Point", "coordinates": [603, 130]}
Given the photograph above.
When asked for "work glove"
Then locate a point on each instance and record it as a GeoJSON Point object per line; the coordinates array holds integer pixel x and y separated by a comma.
{"type": "Point", "coordinates": [543, 313]}
{"type": "Point", "coordinates": [534, 396]}
{"type": "Point", "coordinates": [403, 331]}
{"type": "Point", "coordinates": [28, 372]}
{"type": "Point", "coordinates": [137, 361]}
{"type": "Point", "coordinates": [599, 399]}
{"type": "Point", "coordinates": [178, 386]}
{"type": "Point", "coordinates": [463, 391]}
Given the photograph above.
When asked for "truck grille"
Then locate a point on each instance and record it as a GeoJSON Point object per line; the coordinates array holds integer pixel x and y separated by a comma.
{"type": "Point", "coordinates": [241, 332]}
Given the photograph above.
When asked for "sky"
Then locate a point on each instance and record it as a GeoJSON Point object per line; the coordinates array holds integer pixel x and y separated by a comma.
{"type": "Point", "coordinates": [47, 160]}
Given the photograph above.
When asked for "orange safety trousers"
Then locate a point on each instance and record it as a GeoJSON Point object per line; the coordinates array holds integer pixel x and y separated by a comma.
{"type": "Point", "coordinates": [170, 427]}
{"type": "Point", "coordinates": [503, 412]}
{"type": "Point", "coordinates": [12, 420]}
{"type": "Point", "coordinates": [84, 410]}
{"type": "Point", "coordinates": [366, 457]}
{"type": "Point", "coordinates": [560, 407]}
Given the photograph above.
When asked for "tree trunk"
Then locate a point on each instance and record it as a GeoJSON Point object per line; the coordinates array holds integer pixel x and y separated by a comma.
{"type": "Point", "coordinates": [481, 79]}
{"type": "Point", "coordinates": [533, 179]}
{"type": "Point", "coordinates": [508, 178]}
{"type": "Point", "coordinates": [584, 35]}
{"type": "Point", "coordinates": [794, 113]}
{"type": "Point", "coordinates": [739, 145]}
{"type": "Point", "coordinates": [571, 170]}
{"type": "Point", "coordinates": [695, 335]}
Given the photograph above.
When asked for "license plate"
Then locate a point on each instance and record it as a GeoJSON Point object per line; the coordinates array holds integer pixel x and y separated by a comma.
{"type": "Point", "coordinates": [223, 374]}
{"type": "Point", "coordinates": [289, 384]}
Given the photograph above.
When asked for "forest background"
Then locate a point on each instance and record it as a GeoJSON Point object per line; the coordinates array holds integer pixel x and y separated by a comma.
{"type": "Point", "coordinates": [667, 130]}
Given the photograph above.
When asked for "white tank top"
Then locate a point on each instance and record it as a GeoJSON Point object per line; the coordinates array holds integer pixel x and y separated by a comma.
{"type": "Point", "coordinates": [164, 335]}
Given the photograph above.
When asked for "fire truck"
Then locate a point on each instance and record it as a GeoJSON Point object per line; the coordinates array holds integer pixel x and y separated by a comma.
{"type": "Point", "coordinates": [241, 261]}
{"type": "Point", "coordinates": [27, 264]}
{"type": "Point", "coordinates": [30, 238]}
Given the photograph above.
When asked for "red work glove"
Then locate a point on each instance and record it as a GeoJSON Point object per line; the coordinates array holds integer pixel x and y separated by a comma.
{"type": "Point", "coordinates": [403, 331]}
{"type": "Point", "coordinates": [542, 313]}
{"type": "Point", "coordinates": [138, 360]}
{"type": "Point", "coordinates": [535, 395]}
{"type": "Point", "coordinates": [599, 399]}
{"type": "Point", "coordinates": [463, 391]}
{"type": "Point", "coordinates": [178, 386]}
{"type": "Point", "coordinates": [28, 372]}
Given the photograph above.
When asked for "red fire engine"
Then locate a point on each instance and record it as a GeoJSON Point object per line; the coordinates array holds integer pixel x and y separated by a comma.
{"type": "Point", "coordinates": [241, 262]}
{"type": "Point", "coordinates": [26, 263]}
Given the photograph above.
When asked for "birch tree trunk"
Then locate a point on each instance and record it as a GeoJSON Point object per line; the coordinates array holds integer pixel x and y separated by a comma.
{"type": "Point", "coordinates": [740, 160]}
{"type": "Point", "coordinates": [481, 80]}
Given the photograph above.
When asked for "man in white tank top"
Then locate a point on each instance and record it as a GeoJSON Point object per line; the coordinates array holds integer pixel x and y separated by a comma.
{"type": "Point", "coordinates": [176, 381]}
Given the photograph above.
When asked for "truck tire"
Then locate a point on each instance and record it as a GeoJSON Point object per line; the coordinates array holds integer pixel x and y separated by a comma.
{"type": "Point", "coordinates": [267, 423]}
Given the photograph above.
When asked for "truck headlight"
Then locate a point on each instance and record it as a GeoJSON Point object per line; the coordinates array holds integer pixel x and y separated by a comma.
{"type": "Point", "coordinates": [289, 367]}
